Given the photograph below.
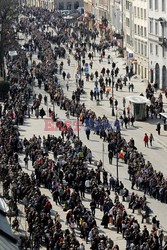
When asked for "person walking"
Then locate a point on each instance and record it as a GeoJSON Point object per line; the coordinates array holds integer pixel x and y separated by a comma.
{"type": "Point", "coordinates": [26, 159]}
{"type": "Point", "coordinates": [132, 119]}
{"type": "Point", "coordinates": [151, 139]}
{"type": "Point", "coordinates": [42, 113]}
{"type": "Point", "coordinates": [158, 128]}
{"type": "Point", "coordinates": [64, 75]}
{"type": "Point", "coordinates": [93, 207]}
{"type": "Point", "coordinates": [45, 100]}
{"type": "Point", "coordinates": [124, 102]}
{"type": "Point", "coordinates": [146, 139]}
{"type": "Point", "coordinates": [88, 132]}
{"type": "Point", "coordinates": [110, 156]}
{"type": "Point", "coordinates": [67, 86]}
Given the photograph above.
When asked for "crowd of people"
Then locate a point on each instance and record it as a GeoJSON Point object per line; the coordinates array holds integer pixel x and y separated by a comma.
{"type": "Point", "coordinates": [68, 176]}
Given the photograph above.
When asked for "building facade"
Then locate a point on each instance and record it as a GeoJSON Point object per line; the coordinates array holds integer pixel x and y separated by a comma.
{"type": "Point", "coordinates": [158, 42]}
{"type": "Point", "coordinates": [88, 6]}
{"type": "Point", "coordinates": [103, 9]}
{"type": "Point", "coordinates": [136, 36]}
{"type": "Point", "coordinates": [140, 44]}
{"type": "Point", "coordinates": [68, 4]}
{"type": "Point", "coordinates": [128, 21]}
{"type": "Point", "coordinates": [116, 16]}
{"type": "Point", "coordinates": [46, 4]}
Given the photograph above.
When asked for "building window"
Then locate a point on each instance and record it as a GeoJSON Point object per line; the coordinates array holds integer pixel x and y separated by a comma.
{"type": "Point", "coordinates": [145, 32]}
{"type": "Point", "coordinates": [156, 4]}
{"type": "Point", "coordinates": [135, 29]}
{"type": "Point", "coordinates": [150, 4]}
{"type": "Point", "coordinates": [163, 51]}
{"type": "Point", "coordinates": [141, 13]}
{"type": "Point", "coordinates": [69, 6]}
{"type": "Point", "coordinates": [141, 30]}
{"type": "Point", "coordinates": [156, 28]}
{"type": "Point", "coordinates": [135, 10]}
{"type": "Point", "coordinates": [138, 28]}
{"type": "Point", "coordinates": [127, 22]}
{"type": "Point", "coordinates": [127, 4]}
{"type": "Point", "coordinates": [76, 5]}
{"type": "Point", "coordinates": [145, 49]}
{"type": "Point", "coordinates": [61, 6]}
{"type": "Point", "coordinates": [138, 47]}
{"type": "Point", "coordinates": [135, 46]}
{"type": "Point", "coordinates": [163, 5]}
{"type": "Point", "coordinates": [156, 50]}
{"type": "Point", "coordinates": [142, 50]}
{"type": "Point", "coordinates": [151, 26]}
{"type": "Point", "coordinates": [128, 39]}
{"type": "Point", "coordinates": [138, 12]}
{"type": "Point", "coordinates": [151, 48]}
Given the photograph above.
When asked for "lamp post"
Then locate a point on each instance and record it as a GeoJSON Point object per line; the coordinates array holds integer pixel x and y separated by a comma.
{"type": "Point", "coordinates": [117, 174]}
{"type": "Point", "coordinates": [1, 50]}
{"type": "Point", "coordinates": [78, 113]}
{"type": "Point", "coordinates": [113, 113]}
{"type": "Point", "coordinates": [79, 65]}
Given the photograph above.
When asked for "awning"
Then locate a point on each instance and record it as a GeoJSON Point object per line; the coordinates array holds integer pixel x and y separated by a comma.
{"type": "Point", "coordinates": [3, 206]}
{"type": "Point", "coordinates": [137, 99]}
{"type": "Point", "coordinates": [6, 244]}
{"type": "Point", "coordinates": [164, 115]}
{"type": "Point", "coordinates": [5, 229]}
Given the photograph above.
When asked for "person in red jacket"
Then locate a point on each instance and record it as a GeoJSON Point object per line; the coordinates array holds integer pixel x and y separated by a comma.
{"type": "Point", "coordinates": [146, 139]}
{"type": "Point", "coordinates": [48, 206]}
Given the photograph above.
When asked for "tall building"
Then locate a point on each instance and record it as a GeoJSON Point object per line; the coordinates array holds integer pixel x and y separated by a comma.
{"type": "Point", "coordinates": [140, 30]}
{"type": "Point", "coordinates": [136, 36]}
{"type": "Point", "coordinates": [116, 7]}
{"type": "Point", "coordinates": [128, 24]}
{"type": "Point", "coordinates": [116, 20]}
{"type": "Point", "coordinates": [158, 42]}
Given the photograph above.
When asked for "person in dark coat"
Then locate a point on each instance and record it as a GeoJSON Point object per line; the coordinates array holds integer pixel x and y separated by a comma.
{"type": "Point", "coordinates": [158, 128]}
{"type": "Point", "coordinates": [87, 132]}
{"type": "Point", "coordinates": [110, 156]}
{"type": "Point", "coordinates": [105, 220]}
{"type": "Point", "coordinates": [42, 113]}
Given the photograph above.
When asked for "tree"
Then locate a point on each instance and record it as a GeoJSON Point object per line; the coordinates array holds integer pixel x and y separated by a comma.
{"type": "Point", "coordinates": [8, 15]}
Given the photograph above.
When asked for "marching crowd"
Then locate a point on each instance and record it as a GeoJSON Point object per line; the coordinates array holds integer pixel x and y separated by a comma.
{"type": "Point", "coordinates": [69, 176]}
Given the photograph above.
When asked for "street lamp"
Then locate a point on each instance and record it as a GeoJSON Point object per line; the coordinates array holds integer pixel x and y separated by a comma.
{"type": "Point", "coordinates": [117, 159]}
{"type": "Point", "coordinates": [113, 113]}
{"type": "Point", "coordinates": [78, 114]}
{"type": "Point", "coordinates": [0, 50]}
{"type": "Point", "coordinates": [79, 64]}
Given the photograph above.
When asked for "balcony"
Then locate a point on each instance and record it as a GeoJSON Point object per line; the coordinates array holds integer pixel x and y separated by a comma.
{"type": "Point", "coordinates": [163, 41]}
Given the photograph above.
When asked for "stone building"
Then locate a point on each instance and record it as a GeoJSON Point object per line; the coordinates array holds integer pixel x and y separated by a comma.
{"type": "Point", "coordinates": [157, 36]}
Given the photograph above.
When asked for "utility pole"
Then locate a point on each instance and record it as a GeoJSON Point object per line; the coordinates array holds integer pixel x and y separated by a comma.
{"type": "Point", "coordinates": [78, 124]}
{"type": "Point", "coordinates": [103, 151]}
{"type": "Point", "coordinates": [122, 9]}
{"type": "Point", "coordinates": [117, 167]}
{"type": "Point", "coordinates": [113, 113]}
